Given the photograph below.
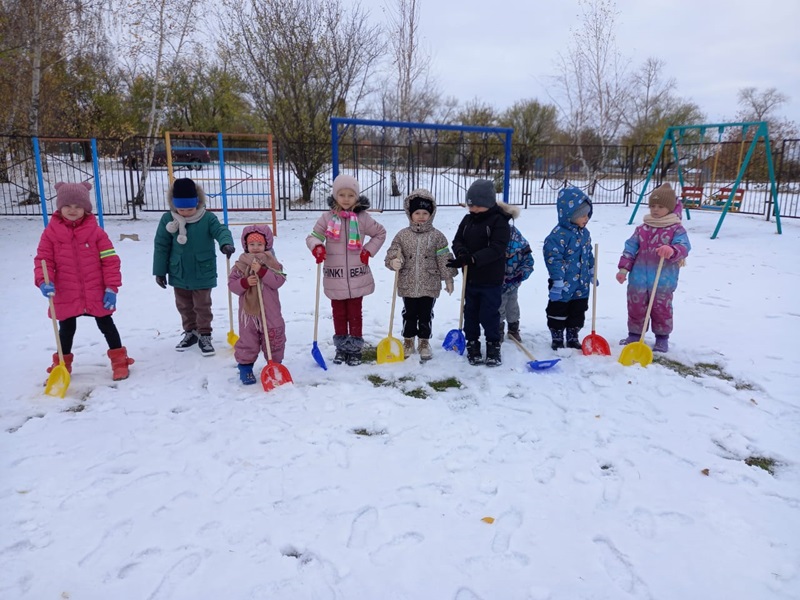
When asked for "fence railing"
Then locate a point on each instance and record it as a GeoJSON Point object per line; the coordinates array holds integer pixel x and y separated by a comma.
{"type": "Point", "coordinates": [387, 170]}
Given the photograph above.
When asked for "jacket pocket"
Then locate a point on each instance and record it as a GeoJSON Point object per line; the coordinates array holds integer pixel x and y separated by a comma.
{"type": "Point", "coordinates": [175, 267]}
{"type": "Point", "coordinates": [206, 264]}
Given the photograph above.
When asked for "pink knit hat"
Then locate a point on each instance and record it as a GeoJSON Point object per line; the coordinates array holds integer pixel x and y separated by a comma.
{"type": "Point", "coordinates": [345, 182]}
{"type": "Point", "coordinates": [73, 193]}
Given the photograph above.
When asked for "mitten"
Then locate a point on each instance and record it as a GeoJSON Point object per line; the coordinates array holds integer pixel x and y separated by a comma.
{"type": "Point", "coordinates": [463, 259]}
{"type": "Point", "coordinates": [448, 286]}
{"type": "Point", "coordinates": [365, 257]}
{"type": "Point", "coordinates": [556, 290]}
{"type": "Point", "coordinates": [48, 289]}
{"type": "Point", "coordinates": [396, 264]}
{"type": "Point", "coordinates": [161, 281]}
{"type": "Point", "coordinates": [319, 253]}
{"type": "Point", "coordinates": [109, 300]}
{"type": "Point", "coordinates": [621, 275]}
{"type": "Point", "coordinates": [665, 252]}
{"type": "Point", "coordinates": [227, 250]}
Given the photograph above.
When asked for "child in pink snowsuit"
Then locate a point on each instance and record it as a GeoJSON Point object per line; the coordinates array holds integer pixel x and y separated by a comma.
{"type": "Point", "coordinates": [257, 266]}
{"type": "Point", "coordinates": [661, 235]}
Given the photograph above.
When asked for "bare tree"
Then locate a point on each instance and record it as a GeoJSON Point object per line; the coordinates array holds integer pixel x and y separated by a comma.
{"type": "Point", "coordinates": [305, 61]}
{"type": "Point", "coordinates": [154, 34]}
{"type": "Point", "coordinates": [763, 105]}
{"type": "Point", "coordinates": [591, 79]}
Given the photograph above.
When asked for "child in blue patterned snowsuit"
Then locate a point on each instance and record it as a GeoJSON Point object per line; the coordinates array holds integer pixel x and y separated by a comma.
{"type": "Point", "coordinates": [570, 265]}
{"type": "Point", "coordinates": [519, 266]}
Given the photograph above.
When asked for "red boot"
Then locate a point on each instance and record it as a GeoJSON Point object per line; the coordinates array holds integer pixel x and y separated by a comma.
{"type": "Point", "coordinates": [67, 362]}
{"type": "Point", "coordinates": [119, 363]}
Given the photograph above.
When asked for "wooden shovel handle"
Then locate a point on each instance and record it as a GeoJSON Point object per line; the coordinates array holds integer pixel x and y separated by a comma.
{"type": "Point", "coordinates": [652, 299]}
{"type": "Point", "coordinates": [316, 305]}
{"type": "Point", "coordinates": [594, 285]}
{"type": "Point", "coordinates": [463, 295]}
{"type": "Point", "coordinates": [53, 315]}
{"type": "Point", "coordinates": [263, 319]}
{"type": "Point", "coordinates": [394, 298]}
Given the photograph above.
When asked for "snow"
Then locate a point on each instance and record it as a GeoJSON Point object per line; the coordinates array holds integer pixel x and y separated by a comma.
{"type": "Point", "coordinates": [179, 483]}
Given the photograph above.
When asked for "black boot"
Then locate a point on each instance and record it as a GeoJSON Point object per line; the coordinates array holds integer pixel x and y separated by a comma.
{"type": "Point", "coordinates": [558, 338]}
{"type": "Point", "coordinates": [474, 355]}
{"type": "Point", "coordinates": [493, 354]}
{"type": "Point", "coordinates": [341, 351]}
{"type": "Point", "coordinates": [513, 331]}
{"type": "Point", "coordinates": [572, 338]}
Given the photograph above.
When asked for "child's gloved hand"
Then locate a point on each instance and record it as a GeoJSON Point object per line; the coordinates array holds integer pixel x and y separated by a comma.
{"type": "Point", "coordinates": [622, 274]}
{"type": "Point", "coordinates": [556, 290]}
{"type": "Point", "coordinates": [365, 257]}
{"type": "Point", "coordinates": [396, 264]}
{"type": "Point", "coordinates": [319, 253]}
{"type": "Point", "coordinates": [161, 281]}
{"type": "Point", "coordinates": [462, 260]}
{"type": "Point", "coordinates": [109, 300]}
{"type": "Point", "coordinates": [665, 252]}
{"type": "Point", "coordinates": [48, 289]}
{"type": "Point", "coordinates": [227, 250]}
{"type": "Point", "coordinates": [448, 286]}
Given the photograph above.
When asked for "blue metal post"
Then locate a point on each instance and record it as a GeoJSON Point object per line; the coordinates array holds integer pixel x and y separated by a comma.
{"type": "Point", "coordinates": [221, 154]}
{"type": "Point", "coordinates": [98, 194]}
{"type": "Point", "coordinates": [507, 167]}
{"type": "Point", "coordinates": [335, 145]}
{"type": "Point", "coordinates": [37, 157]}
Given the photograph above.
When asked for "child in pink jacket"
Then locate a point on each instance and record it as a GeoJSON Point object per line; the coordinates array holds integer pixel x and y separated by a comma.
{"type": "Point", "coordinates": [338, 239]}
{"type": "Point", "coordinates": [84, 274]}
{"type": "Point", "coordinates": [257, 266]}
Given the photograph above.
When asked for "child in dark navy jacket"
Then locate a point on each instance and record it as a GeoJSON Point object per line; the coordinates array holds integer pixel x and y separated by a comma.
{"type": "Point", "coordinates": [480, 244]}
{"type": "Point", "coordinates": [570, 264]}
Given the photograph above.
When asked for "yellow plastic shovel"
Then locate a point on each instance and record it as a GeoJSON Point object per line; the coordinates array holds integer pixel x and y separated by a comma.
{"type": "Point", "coordinates": [58, 380]}
{"type": "Point", "coordinates": [389, 348]}
{"type": "Point", "coordinates": [232, 337]}
{"type": "Point", "coordinates": [639, 352]}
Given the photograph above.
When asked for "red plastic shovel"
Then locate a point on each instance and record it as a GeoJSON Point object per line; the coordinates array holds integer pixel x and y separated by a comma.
{"type": "Point", "coordinates": [593, 343]}
{"type": "Point", "coordinates": [273, 374]}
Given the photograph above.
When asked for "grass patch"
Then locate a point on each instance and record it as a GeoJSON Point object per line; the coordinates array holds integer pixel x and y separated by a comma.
{"type": "Point", "coordinates": [444, 384]}
{"type": "Point", "coordinates": [75, 409]}
{"type": "Point", "coordinates": [762, 462]}
{"type": "Point", "coordinates": [702, 369]}
{"type": "Point", "coordinates": [369, 354]}
{"type": "Point", "coordinates": [378, 381]}
{"type": "Point", "coordinates": [368, 432]}
{"type": "Point", "coordinates": [417, 393]}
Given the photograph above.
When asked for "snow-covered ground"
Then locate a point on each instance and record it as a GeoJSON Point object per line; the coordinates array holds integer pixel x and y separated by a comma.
{"type": "Point", "coordinates": [604, 481]}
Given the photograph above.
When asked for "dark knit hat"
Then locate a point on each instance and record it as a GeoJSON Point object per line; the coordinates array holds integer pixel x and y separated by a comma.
{"type": "Point", "coordinates": [481, 193]}
{"type": "Point", "coordinates": [665, 196]}
{"type": "Point", "coordinates": [419, 203]}
{"type": "Point", "coordinates": [73, 193]}
{"type": "Point", "coordinates": [184, 193]}
{"type": "Point", "coordinates": [584, 208]}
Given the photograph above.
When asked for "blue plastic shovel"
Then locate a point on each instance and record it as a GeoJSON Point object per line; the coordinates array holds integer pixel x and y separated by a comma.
{"type": "Point", "coordinates": [454, 340]}
{"type": "Point", "coordinates": [535, 365]}
{"type": "Point", "coordinates": [314, 348]}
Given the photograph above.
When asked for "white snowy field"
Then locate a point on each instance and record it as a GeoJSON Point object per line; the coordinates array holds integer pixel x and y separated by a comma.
{"type": "Point", "coordinates": [605, 482]}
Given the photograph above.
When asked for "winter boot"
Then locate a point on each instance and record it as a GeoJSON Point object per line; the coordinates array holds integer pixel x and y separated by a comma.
{"type": "Point", "coordinates": [204, 341]}
{"type": "Point", "coordinates": [493, 354]}
{"type": "Point", "coordinates": [339, 357]}
{"type": "Point", "coordinates": [425, 350]}
{"type": "Point", "coordinates": [246, 375]}
{"type": "Point", "coordinates": [513, 331]}
{"type": "Point", "coordinates": [189, 339]}
{"type": "Point", "coordinates": [408, 346]}
{"type": "Point", "coordinates": [558, 338]}
{"type": "Point", "coordinates": [632, 337]}
{"type": "Point", "coordinates": [474, 355]}
{"type": "Point", "coordinates": [353, 359]}
{"type": "Point", "coordinates": [341, 353]}
{"type": "Point", "coordinates": [67, 362]}
{"type": "Point", "coordinates": [503, 331]}
{"type": "Point", "coordinates": [572, 338]}
{"type": "Point", "coordinates": [353, 345]}
{"type": "Point", "coordinates": [119, 363]}
{"type": "Point", "coordinates": [661, 345]}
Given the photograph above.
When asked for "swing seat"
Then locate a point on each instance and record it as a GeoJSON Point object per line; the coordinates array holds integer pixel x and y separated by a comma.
{"type": "Point", "coordinates": [692, 196]}
{"type": "Point", "coordinates": [724, 194]}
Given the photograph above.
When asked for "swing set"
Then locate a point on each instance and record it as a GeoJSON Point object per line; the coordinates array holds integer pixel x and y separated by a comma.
{"type": "Point", "coordinates": [722, 196]}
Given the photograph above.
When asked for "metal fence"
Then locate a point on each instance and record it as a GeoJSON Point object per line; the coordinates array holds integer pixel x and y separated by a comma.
{"type": "Point", "coordinates": [388, 169]}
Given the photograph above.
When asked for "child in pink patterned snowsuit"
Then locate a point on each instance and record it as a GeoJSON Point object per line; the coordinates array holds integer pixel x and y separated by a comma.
{"type": "Point", "coordinates": [661, 235]}
{"type": "Point", "coordinates": [257, 266]}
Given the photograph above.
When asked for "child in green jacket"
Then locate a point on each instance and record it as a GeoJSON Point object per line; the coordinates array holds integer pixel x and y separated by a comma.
{"type": "Point", "coordinates": [185, 259]}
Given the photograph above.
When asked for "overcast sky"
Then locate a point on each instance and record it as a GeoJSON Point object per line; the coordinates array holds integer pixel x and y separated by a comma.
{"type": "Point", "coordinates": [505, 50]}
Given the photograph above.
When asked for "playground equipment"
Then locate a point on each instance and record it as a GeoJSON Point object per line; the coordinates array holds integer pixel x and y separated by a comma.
{"type": "Point", "coordinates": [727, 198]}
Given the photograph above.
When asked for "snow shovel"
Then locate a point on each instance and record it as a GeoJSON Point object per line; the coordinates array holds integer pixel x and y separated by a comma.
{"type": "Point", "coordinates": [273, 374]}
{"type": "Point", "coordinates": [535, 365]}
{"type": "Point", "coordinates": [314, 348]}
{"type": "Point", "coordinates": [454, 340]}
{"type": "Point", "coordinates": [389, 348]}
{"type": "Point", "coordinates": [232, 337]}
{"type": "Point", "coordinates": [58, 380]}
{"type": "Point", "coordinates": [640, 352]}
{"type": "Point", "coordinates": [593, 343]}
